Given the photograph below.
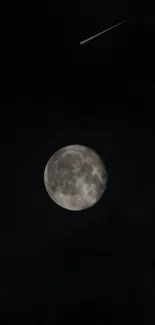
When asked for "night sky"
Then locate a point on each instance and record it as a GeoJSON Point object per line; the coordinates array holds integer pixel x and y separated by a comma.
{"type": "Point", "coordinates": [60, 266]}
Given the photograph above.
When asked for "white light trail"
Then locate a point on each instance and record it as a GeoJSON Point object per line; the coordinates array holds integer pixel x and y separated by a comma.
{"type": "Point", "coordinates": [106, 30]}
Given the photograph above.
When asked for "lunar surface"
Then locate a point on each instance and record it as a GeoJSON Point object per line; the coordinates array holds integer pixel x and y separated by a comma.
{"type": "Point", "coordinates": [75, 177]}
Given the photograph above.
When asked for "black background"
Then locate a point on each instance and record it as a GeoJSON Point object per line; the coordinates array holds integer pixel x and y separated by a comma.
{"type": "Point", "coordinates": [94, 266]}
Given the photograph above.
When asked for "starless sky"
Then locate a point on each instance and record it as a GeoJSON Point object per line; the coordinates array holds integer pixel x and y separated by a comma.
{"type": "Point", "coordinates": [60, 266]}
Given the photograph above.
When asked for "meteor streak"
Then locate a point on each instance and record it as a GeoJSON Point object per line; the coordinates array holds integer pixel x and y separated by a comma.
{"type": "Point", "coordinates": [106, 30]}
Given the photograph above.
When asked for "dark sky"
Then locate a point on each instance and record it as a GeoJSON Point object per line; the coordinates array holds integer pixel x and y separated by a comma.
{"type": "Point", "coordinates": [95, 266]}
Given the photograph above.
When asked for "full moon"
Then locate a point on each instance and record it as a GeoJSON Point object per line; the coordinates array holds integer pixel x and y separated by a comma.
{"type": "Point", "coordinates": [75, 177]}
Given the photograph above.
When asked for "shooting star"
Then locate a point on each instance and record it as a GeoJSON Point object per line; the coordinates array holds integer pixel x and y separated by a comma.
{"type": "Point", "coordinates": [106, 30]}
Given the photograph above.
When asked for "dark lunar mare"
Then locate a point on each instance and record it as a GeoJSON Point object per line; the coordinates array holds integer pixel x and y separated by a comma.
{"type": "Point", "coordinates": [63, 176]}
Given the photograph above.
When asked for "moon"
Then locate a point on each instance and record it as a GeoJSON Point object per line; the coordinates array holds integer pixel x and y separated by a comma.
{"type": "Point", "coordinates": [75, 177]}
